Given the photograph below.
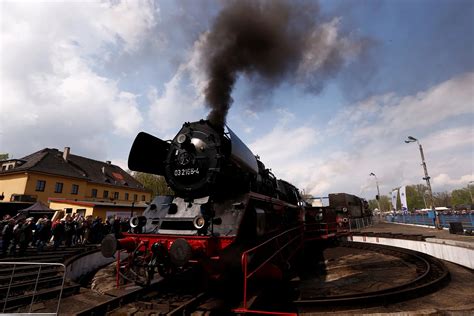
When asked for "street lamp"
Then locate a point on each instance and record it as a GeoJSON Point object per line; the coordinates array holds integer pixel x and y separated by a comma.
{"type": "Point", "coordinates": [378, 192]}
{"type": "Point", "coordinates": [412, 139]}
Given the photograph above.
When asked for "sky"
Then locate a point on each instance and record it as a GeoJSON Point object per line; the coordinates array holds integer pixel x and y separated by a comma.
{"type": "Point", "coordinates": [90, 75]}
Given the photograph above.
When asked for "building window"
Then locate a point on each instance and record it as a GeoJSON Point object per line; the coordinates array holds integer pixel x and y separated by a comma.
{"type": "Point", "coordinates": [40, 185]}
{"type": "Point", "coordinates": [94, 193]}
{"type": "Point", "coordinates": [143, 198]}
{"type": "Point", "coordinates": [58, 188]}
{"type": "Point", "coordinates": [68, 210]}
{"type": "Point", "coordinates": [116, 195]}
{"type": "Point", "coordinates": [75, 189]}
{"type": "Point", "coordinates": [126, 196]}
{"type": "Point", "coordinates": [135, 197]}
{"type": "Point", "coordinates": [4, 167]}
{"type": "Point", "coordinates": [106, 194]}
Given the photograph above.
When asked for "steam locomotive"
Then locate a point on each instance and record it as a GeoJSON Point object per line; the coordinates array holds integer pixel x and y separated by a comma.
{"type": "Point", "coordinates": [226, 201]}
{"type": "Point", "coordinates": [348, 208]}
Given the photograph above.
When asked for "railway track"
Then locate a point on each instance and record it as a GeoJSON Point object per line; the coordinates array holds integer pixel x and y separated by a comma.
{"type": "Point", "coordinates": [23, 284]}
{"type": "Point", "coordinates": [431, 275]}
{"type": "Point", "coordinates": [183, 297]}
{"type": "Point", "coordinates": [182, 294]}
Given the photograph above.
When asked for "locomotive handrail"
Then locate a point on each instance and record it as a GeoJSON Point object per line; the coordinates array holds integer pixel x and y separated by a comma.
{"type": "Point", "coordinates": [248, 275]}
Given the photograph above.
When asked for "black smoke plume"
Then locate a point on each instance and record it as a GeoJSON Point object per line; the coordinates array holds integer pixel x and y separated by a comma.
{"type": "Point", "coordinates": [267, 41]}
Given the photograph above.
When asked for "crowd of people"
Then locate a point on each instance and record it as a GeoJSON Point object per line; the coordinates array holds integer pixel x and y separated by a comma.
{"type": "Point", "coordinates": [20, 233]}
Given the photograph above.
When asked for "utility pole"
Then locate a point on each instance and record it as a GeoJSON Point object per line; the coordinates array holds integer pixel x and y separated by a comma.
{"type": "Point", "coordinates": [412, 139]}
{"type": "Point", "coordinates": [378, 193]}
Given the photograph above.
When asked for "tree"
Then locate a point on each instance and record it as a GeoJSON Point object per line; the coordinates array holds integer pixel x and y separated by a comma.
{"type": "Point", "coordinates": [384, 203]}
{"type": "Point", "coordinates": [154, 183]}
{"type": "Point", "coordinates": [460, 197]}
{"type": "Point", "coordinates": [442, 198]}
{"type": "Point", "coordinates": [4, 156]}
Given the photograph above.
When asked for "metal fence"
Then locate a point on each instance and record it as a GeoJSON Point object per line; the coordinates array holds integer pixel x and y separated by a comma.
{"type": "Point", "coordinates": [19, 267]}
{"type": "Point", "coordinates": [467, 220]}
{"type": "Point", "coordinates": [359, 223]}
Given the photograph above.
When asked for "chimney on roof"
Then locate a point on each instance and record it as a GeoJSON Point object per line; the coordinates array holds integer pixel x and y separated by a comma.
{"type": "Point", "coordinates": [66, 152]}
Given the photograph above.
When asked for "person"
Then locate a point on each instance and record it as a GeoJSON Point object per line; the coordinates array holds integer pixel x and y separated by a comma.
{"type": "Point", "coordinates": [43, 234]}
{"type": "Point", "coordinates": [8, 236]}
{"type": "Point", "coordinates": [79, 230]}
{"type": "Point", "coordinates": [58, 233]}
{"type": "Point", "coordinates": [87, 225]}
{"type": "Point", "coordinates": [97, 231]}
{"type": "Point", "coordinates": [69, 230]}
{"type": "Point", "coordinates": [26, 235]}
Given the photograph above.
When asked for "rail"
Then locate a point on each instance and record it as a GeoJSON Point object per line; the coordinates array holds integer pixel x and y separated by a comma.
{"type": "Point", "coordinates": [277, 246]}
{"type": "Point", "coordinates": [38, 279]}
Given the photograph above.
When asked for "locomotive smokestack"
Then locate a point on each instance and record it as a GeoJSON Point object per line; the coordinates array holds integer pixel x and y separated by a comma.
{"type": "Point", "coordinates": [269, 41]}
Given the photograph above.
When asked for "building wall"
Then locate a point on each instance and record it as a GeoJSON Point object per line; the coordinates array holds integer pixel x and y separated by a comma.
{"type": "Point", "coordinates": [60, 206]}
{"type": "Point", "coordinates": [111, 190]}
{"type": "Point", "coordinates": [27, 184]}
{"type": "Point", "coordinates": [124, 212]}
{"type": "Point", "coordinates": [13, 184]}
{"type": "Point", "coordinates": [97, 210]}
{"type": "Point", "coordinates": [50, 187]}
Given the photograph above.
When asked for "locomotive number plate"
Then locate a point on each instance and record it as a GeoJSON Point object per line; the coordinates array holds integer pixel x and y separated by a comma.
{"type": "Point", "coordinates": [186, 172]}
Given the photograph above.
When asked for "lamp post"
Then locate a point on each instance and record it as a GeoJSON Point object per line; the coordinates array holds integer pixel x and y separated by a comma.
{"type": "Point", "coordinates": [378, 192]}
{"type": "Point", "coordinates": [412, 139]}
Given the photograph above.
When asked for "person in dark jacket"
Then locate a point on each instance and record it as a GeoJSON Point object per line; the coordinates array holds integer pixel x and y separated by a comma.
{"type": "Point", "coordinates": [7, 236]}
{"type": "Point", "coordinates": [43, 234]}
{"type": "Point", "coordinates": [69, 230]}
{"type": "Point", "coordinates": [26, 235]}
{"type": "Point", "coordinates": [58, 233]}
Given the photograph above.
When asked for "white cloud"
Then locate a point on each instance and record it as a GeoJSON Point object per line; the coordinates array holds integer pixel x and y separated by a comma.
{"type": "Point", "coordinates": [445, 180]}
{"type": "Point", "coordinates": [383, 115]}
{"type": "Point", "coordinates": [182, 98]}
{"type": "Point", "coordinates": [51, 93]}
{"type": "Point", "coordinates": [369, 137]}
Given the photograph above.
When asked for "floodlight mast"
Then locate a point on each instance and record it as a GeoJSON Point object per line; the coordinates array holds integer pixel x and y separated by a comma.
{"type": "Point", "coordinates": [378, 191]}
{"type": "Point", "coordinates": [412, 139]}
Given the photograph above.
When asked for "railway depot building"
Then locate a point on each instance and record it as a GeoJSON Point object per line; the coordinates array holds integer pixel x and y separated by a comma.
{"type": "Point", "coordinates": [51, 175]}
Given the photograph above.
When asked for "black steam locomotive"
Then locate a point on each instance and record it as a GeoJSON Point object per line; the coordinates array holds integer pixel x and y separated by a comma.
{"type": "Point", "coordinates": [225, 201]}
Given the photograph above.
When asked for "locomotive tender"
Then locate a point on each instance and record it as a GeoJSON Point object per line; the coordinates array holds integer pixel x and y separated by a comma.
{"type": "Point", "coordinates": [225, 201]}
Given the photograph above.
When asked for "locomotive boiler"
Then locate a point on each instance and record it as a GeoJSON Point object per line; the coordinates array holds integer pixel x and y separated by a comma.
{"type": "Point", "coordinates": [226, 201]}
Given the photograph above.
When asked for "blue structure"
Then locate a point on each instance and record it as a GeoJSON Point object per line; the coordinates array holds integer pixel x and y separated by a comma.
{"type": "Point", "coordinates": [467, 220]}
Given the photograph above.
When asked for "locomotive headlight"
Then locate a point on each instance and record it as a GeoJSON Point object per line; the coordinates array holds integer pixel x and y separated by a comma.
{"type": "Point", "coordinates": [181, 138]}
{"type": "Point", "coordinates": [199, 144]}
{"type": "Point", "coordinates": [199, 222]}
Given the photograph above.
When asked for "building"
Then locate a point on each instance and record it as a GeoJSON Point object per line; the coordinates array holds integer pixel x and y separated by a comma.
{"type": "Point", "coordinates": [101, 209]}
{"type": "Point", "coordinates": [52, 174]}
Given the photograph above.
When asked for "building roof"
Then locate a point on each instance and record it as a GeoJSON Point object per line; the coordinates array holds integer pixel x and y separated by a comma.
{"type": "Point", "coordinates": [38, 206]}
{"type": "Point", "coordinates": [51, 161]}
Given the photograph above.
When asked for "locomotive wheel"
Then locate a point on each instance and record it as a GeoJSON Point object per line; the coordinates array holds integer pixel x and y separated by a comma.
{"type": "Point", "coordinates": [165, 270]}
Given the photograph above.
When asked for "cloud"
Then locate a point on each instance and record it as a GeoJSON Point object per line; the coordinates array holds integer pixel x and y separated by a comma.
{"type": "Point", "coordinates": [369, 137]}
{"type": "Point", "coordinates": [445, 180]}
{"type": "Point", "coordinates": [284, 142]}
{"type": "Point", "coordinates": [52, 93]}
{"type": "Point", "coordinates": [380, 116]}
{"type": "Point", "coordinates": [181, 99]}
